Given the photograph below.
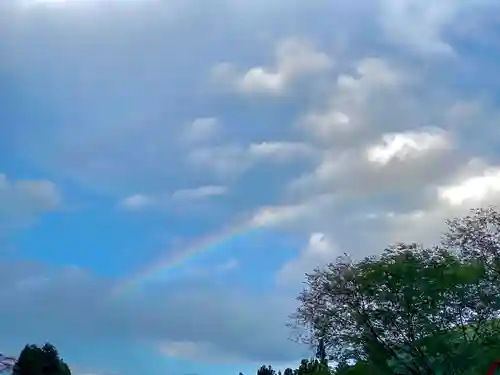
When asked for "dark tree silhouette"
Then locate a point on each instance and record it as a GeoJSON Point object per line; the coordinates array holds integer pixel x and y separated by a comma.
{"type": "Point", "coordinates": [321, 351]}
{"type": "Point", "coordinates": [34, 360]}
{"type": "Point", "coordinates": [266, 371]}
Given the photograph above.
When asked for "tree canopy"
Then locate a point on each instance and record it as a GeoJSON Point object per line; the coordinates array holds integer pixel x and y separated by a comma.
{"type": "Point", "coordinates": [411, 310]}
{"type": "Point", "coordinates": [34, 360]}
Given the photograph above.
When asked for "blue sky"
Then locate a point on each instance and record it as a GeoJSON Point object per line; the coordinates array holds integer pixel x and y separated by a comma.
{"type": "Point", "coordinates": [133, 130]}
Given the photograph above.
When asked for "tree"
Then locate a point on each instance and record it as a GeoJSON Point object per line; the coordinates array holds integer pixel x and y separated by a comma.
{"type": "Point", "coordinates": [34, 360]}
{"type": "Point", "coordinates": [312, 366]}
{"type": "Point", "coordinates": [321, 352]}
{"type": "Point", "coordinates": [266, 371]}
{"type": "Point", "coordinates": [477, 238]}
{"type": "Point", "coordinates": [359, 368]}
{"type": "Point", "coordinates": [414, 309]}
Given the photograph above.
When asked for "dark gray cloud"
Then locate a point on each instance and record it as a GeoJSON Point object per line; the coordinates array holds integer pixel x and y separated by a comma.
{"type": "Point", "coordinates": [125, 78]}
{"type": "Point", "coordinates": [60, 303]}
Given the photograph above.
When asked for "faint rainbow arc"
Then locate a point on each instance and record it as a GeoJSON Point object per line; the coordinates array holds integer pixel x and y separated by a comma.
{"type": "Point", "coordinates": [172, 261]}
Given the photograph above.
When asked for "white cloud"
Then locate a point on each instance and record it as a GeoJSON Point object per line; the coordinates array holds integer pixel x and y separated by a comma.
{"type": "Point", "coordinates": [294, 59]}
{"type": "Point", "coordinates": [202, 192]}
{"type": "Point", "coordinates": [374, 73]}
{"type": "Point", "coordinates": [394, 162]}
{"type": "Point", "coordinates": [418, 24]}
{"type": "Point", "coordinates": [222, 160]}
{"type": "Point", "coordinates": [303, 214]}
{"type": "Point", "coordinates": [278, 215]}
{"type": "Point", "coordinates": [348, 109]}
{"type": "Point", "coordinates": [233, 159]}
{"type": "Point", "coordinates": [38, 194]}
{"type": "Point", "coordinates": [280, 151]}
{"type": "Point", "coordinates": [21, 201]}
{"type": "Point", "coordinates": [475, 184]}
{"type": "Point", "coordinates": [407, 145]}
{"type": "Point", "coordinates": [201, 130]}
{"type": "Point", "coordinates": [208, 353]}
{"type": "Point", "coordinates": [319, 251]}
{"type": "Point", "coordinates": [142, 202]}
{"type": "Point", "coordinates": [200, 351]}
{"type": "Point", "coordinates": [472, 190]}
{"type": "Point", "coordinates": [137, 202]}
{"type": "Point", "coordinates": [421, 25]}
{"type": "Point", "coordinates": [397, 172]}
{"type": "Point", "coordinates": [327, 124]}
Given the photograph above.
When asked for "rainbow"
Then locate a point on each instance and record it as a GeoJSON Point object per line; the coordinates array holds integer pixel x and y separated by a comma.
{"type": "Point", "coordinates": [179, 258]}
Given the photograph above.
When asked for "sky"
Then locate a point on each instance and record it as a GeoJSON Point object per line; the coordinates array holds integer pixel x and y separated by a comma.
{"type": "Point", "coordinates": [170, 169]}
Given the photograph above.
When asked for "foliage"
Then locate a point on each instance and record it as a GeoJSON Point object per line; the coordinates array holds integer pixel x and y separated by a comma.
{"type": "Point", "coordinates": [313, 366]}
{"type": "Point", "coordinates": [477, 238]}
{"type": "Point", "coordinates": [34, 360]}
{"type": "Point", "coordinates": [410, 310]}
{"type": "Point", "coordinates": [266, 371]}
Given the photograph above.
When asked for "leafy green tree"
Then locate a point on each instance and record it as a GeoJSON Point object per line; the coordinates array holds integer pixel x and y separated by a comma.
{"type": "Point", "coordinates": [34, 360]}
{"type": "Point", "coordinates": [413, 310]}
{"type": "Point", "coordinates": [359, 368]}
{"type": "Point", "coordinates": [312, 366]}
{"type": "Point", "coordinates": [266, 371]}
{"type": "Point", "coordinates": [477, 237]}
